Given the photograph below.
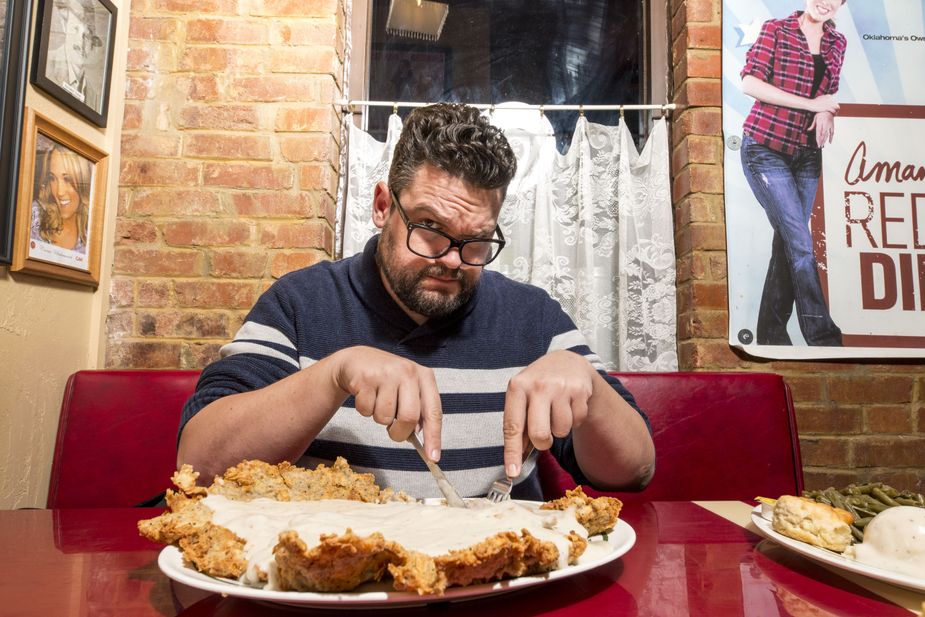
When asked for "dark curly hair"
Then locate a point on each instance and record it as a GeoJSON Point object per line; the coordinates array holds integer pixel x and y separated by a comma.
{"type": "Point", "coordinates": [456, 139]}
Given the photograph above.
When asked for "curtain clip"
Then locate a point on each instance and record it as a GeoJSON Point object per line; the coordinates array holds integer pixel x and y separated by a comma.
{"type": "Point", "coordinates": [621, 112]}
{"type": "Point", "coordinates": [395, 108]}
{"type": "Point", "coordinates": [581, 111]}
{"type": "Point", "coordinates": [542, 111]}
{"type": "Point", "coordinates": [491, 110]}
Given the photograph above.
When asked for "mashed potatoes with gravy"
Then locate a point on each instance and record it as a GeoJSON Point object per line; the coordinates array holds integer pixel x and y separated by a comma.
{"type": "Point", "coordinates": [894, 540]}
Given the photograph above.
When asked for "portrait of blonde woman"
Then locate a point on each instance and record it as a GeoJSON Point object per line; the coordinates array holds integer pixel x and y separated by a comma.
{"type": "Point", "coordinates": [61, 209]}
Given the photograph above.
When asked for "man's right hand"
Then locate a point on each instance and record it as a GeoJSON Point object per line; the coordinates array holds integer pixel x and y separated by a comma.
{"type": "Point", "coordinates": [398, 393]}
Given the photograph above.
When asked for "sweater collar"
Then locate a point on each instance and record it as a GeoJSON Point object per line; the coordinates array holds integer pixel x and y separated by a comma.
{"type": "Point", "coordinates": [368, 286]}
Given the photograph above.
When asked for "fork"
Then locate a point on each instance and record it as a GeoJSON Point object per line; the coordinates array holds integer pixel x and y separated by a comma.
{"type": "Point", "coordinates": [501, 488]}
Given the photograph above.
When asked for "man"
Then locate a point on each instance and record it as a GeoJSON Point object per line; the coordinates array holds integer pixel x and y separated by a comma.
{"type": "Point", "coordinates": [66, 64]}
{"type": "Point", "coordinates": [414, 332]}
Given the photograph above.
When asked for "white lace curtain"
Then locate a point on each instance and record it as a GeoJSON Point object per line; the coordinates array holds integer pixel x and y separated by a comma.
{"type": "Point", "coordinates": [592, 227]}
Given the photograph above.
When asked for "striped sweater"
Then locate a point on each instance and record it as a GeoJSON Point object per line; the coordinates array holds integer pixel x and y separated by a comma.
{"type": "Point", "coordinates": [313, 312]}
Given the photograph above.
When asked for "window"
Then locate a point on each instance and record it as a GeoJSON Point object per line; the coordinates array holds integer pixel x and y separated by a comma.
{"type": "Point", "coordinates": [491, 51]}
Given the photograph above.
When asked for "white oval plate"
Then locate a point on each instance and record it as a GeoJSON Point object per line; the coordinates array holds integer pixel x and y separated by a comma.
{"type": "Point", "coordinates": [831, 558]}
{"type": "Point", "coordinates": [372, 595]}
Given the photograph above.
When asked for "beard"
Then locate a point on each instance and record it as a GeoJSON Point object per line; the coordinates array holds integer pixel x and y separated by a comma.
{"type": "Point", "coordinates": [406, 284]}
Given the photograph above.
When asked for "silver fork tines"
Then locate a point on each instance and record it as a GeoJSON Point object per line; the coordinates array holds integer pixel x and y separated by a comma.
{"type": "Point", "coordinates": [501, 488]}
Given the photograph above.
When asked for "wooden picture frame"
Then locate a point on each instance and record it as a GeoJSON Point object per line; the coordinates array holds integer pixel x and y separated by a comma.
{"type": "Point", "coordinates": [72, 55]}
{"type": "Point", "coordinates": [14, 51]}
{"type": "Point", "coordinates": [62, 196]}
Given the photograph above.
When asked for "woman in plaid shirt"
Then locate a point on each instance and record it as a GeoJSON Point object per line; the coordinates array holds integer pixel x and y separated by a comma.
{"type": "Point", "coordinates": [792, 71]}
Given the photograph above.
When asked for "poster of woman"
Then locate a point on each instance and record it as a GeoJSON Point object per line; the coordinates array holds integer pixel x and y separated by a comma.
{"type": "Point", "coordinates": [807, 83]}
{"type": "Point", "coordinates": [60, 203]}
{"type": "Point", "coordinates": [62, 187]}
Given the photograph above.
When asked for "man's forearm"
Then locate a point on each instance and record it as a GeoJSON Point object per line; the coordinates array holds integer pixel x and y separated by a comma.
{"type": "Point", "coordinates": [613, 446]}
{"type": "Point", "coordinates": [273, 424]}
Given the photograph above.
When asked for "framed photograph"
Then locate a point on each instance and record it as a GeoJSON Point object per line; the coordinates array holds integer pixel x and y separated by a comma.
{"type": "Point", "coordinates": [62, 193]}
{"type": "Point", "coordinates": [72, 56]}
{"type": "Point", "coordinates": [14, 49]}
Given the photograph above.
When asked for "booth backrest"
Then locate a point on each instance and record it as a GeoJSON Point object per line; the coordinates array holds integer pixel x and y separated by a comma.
{"type": "Point", "coordinates": [717, 436]}
{"type": "Point", "coordinates": [117, 437]}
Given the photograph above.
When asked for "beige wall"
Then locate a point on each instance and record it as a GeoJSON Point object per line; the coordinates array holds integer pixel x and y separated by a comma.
{"type": "Point", "coordinates": [49, 329]}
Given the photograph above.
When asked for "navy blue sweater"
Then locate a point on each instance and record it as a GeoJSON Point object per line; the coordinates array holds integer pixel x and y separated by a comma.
{"type": "Point", "coordinates": [311, 313]}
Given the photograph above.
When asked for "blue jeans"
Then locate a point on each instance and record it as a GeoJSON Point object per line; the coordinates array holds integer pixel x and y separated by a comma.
{"type": "Point", "coordinates": [785, 186]}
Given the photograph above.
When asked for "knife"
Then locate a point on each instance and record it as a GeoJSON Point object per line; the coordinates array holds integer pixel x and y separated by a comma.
{"type": "Point", "coordinates": [452, 497]}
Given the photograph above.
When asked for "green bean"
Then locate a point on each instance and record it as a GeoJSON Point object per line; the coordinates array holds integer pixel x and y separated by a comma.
{"type": "Point", "coordinates": [903, 501]}
{"type": "Point", "coordinates": [861, 523]}
{"type": "Point", "coordinates": [857, 533]}
{"type": "Point", "coordinates": [882, 496]}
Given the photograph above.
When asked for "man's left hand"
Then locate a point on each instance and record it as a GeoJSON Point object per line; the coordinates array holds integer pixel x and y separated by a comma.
{"type": "Point", "coordinates": [545, 400]}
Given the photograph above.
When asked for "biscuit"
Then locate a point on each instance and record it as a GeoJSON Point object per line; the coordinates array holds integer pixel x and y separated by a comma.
{"type": "Point", "coordinates": [818, 524]}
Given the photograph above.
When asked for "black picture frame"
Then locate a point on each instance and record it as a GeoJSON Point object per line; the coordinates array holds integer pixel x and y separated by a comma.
{"type": "Point", "coordinates": [14, 19]}
{"type": "Point", "coordinates": [72, 55]}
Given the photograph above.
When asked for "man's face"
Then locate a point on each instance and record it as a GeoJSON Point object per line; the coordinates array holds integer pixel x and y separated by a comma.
{"type": "Point", "coordinates": [75, 38]}
{"type": "Point", "coordinates": [430, 288]}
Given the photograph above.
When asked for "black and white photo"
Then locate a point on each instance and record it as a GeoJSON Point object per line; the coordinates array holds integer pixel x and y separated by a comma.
{"type": "Point", "coordinates": [73, 54]}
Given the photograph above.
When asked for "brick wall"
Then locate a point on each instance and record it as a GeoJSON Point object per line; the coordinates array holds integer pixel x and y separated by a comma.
{"type": "Point", "coordinates": [229, 167]}
{"type": "Point", "coordinates": [857, 422]}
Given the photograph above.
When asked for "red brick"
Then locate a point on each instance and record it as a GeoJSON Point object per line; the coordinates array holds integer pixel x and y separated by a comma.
{"type": "Point", "coordinates": [702, 63]}
{"type": "Point", "coordinates": [805, 388]}
{"type": "Point", "coordinates": [825, 452]}
{"type": "Point", "coordinates": [284, 263]}
{"type": "Point", "coordinates": [700, 91]}
{"type": "Point", "coordinates": [121, 292]}
{"type": "Point", "coordinates": [129, 231]}
{"type": "Point", "coordinates": [702, 10]}
{"type": "Point", "coordinates": [159, 173]}
{"type": "Point", "coordinates": [227, 117]}
{"type": "Point", "coordinates": [120, 323]}
{"type": "Point", "coordinates": [709, 295]}
{"type": "Point", "coordinates": [704, 36]}
{"type": "Point", "coordinates": [244, 176]}
{"type": "Point", "coordinates": [296, 8]}
{"type": "Point", "coordinates": [706, 178]}
{"type": "Point", "coordinates": [216, 294]}
{"type": "Point", "coordinates": [238, 264]}
{"type": "Point", "coordinates": [889, 419]}
{"type": "Point", "coordinates": [239, 147]}
{"type": "Point", "coordinates": [311, 234]}
{"type": "Point", "coordinates": [304, 60]}
{"type": "Point", "coordinates": [132, 354]}
{"type": "Point", "coordinates": [153, 28]}
{"type": "Point", "coordinates": [139, 87]}
{"type": "Point", "coordinates": [202, 88]}
{"type": "Point", "coordinates": [198, 355]}
{"type": "Point", "coordinates": [186, 6]}
{"type": "Point", "coordinates": [305, 32]}
{"type": "Point", "coordinates": [814, 419]}
{"type": "Point", "coordinates": [708, 324]}
{"type": "Point", "coordinates": [156, 262]}
{"type": "Point", "coordinates": [708, 236]}
{"type": "Point", "coordinates": [921, 419]}
{"type": "Point", "coordinates": [183, 324]}
{"type": "Point", "coordinates": [153, 293]}
{"type": "Point", "coordinates": [206, 232]}
{"type": "Point", "coordinates": [896, 451]}
{"type": "Point", "coordinates": [204, 59]}
{"type": "Point", "coordinates": [174, 202]}
{"type": "Point", "coordinates": [709, 353]}
{"type": "Point", "coordinates": [699, 122]}
{"type": "Point", "coordinates": [237, 32]}
{"type": "Point", "coordinates": [274, 204]}
{"type": "Point", "coordinates": [318, 176]}
{"type": "Point", "coordinates": [319, 119]}
{"type": "Point", "coordinates": [272, 88]}
{"type": "Point", "coordinates": [875, 389]}
{"type": "Point", "coordinates": [132, 115]}
{"type": "Point", "coordinates": [135, 145]}
{"type": "Point", "coordinates": [308, 148]}
{"type": "Point", "coordinates": [911, 480]}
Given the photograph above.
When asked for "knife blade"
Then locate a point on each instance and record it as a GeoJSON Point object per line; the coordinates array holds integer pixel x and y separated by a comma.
{"type": "Point", "coordinates": [452, 497]}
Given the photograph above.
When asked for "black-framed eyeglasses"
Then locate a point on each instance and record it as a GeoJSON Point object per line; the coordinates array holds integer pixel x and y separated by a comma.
{"type": "Point", "coordinates": [432, 243]}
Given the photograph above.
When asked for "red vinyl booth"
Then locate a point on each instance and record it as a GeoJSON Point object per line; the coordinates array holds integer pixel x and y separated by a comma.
{"type": "Point", "coordinates": [717, 436]}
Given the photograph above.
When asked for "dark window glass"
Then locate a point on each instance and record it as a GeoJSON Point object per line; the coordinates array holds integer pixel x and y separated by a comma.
{"type": "Point", "coordinates": [532, 51]}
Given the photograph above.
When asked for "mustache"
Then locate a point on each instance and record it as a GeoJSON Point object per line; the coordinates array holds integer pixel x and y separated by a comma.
{"type": "Point", "coordinates": [442, 271]}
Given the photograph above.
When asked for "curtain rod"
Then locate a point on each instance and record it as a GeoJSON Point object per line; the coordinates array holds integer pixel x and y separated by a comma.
{"type": "Point", "coordinates": [348, 106]}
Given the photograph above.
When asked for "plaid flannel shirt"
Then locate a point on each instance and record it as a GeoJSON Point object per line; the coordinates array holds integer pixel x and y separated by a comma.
{"type": "Point", "coordinates": [781, 57]}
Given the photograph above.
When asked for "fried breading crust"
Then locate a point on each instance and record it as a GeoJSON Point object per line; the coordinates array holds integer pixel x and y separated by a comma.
{"type": "Point", "coordinates": [338, 563]}
{"type": "Point", "coordinates": [597, 515]}
{"type": "Point", "coordinates": [342, 562]}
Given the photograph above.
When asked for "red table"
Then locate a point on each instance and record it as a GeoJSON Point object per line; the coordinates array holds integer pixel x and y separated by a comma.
{"type": "Point", "coordinates": [687, 560]}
